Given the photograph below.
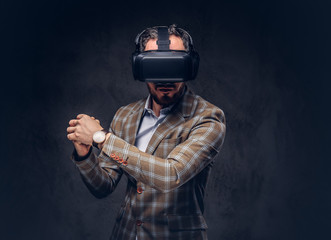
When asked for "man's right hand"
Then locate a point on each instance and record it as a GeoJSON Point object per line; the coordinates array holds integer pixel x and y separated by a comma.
{"type": "Point", "coordinates": [81, 148]}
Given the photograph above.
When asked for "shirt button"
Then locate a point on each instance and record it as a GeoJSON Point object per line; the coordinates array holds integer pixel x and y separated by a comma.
{"type": "Point", "coordinates": [139, 190]}
{"type": "Point", "coordinates": [139, 222]}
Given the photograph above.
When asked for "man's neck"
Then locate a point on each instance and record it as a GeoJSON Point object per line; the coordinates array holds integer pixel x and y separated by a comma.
{"type": "Point", "coordinates": [156, 108]}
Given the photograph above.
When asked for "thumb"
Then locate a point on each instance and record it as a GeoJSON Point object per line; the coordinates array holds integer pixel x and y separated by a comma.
{"type": "Point", "coordinates": [79, 116]}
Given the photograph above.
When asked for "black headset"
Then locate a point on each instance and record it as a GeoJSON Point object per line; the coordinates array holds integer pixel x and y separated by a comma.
{"type": "Point", "coordinates": [164, 64]}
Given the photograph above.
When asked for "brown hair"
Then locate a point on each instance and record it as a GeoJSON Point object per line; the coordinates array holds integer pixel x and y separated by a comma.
{"type": "Point", "coordinates": [151, 33]}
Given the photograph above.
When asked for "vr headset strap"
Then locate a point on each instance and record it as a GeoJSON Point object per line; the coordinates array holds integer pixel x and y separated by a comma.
{"type": "Point", "coordinates": [163, 41]}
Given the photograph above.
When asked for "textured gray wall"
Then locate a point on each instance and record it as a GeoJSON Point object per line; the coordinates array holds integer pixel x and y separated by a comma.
{"type": "Point", "coordinates": [264, 63]}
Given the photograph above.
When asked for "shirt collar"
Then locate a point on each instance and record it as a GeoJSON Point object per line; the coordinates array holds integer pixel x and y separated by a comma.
{"type": "Point", "coordinates": [163, 111]}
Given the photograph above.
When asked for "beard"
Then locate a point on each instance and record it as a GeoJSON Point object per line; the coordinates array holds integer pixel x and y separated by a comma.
{"type": "Point", "coordinates": [166, 100]}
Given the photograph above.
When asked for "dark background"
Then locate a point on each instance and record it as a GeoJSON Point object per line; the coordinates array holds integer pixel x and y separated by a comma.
{"type": "Point", "coordinates": [265, 63]}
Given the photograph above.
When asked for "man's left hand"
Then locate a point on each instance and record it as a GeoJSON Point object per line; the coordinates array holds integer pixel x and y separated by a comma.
{"type": "Point", "coordinates": [82, 129]}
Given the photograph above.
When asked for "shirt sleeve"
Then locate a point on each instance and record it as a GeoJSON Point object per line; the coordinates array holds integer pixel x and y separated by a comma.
{"type": "Point", "coordinates": [184, 162]}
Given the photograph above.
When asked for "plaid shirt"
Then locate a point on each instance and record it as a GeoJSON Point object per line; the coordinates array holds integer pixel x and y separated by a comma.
{"type": "Point", "coordinates": [164, 197]}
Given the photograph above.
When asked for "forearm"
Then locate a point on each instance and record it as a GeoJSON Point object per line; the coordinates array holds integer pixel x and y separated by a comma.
{"type": "Point", "coordinates": [162, 174]}
{"type": "Point", "coordinates": [100, 178]}
{"type": "Point", "coordinates": [184, 161]}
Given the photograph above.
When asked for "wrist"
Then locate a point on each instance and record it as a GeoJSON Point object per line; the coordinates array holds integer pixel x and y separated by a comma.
{"type": "Point", "coordinates": [79, 156]}
{"type": "Point", "coordinates": [99, 137]}
{"type": "Point", "coordinates": [100, 145]}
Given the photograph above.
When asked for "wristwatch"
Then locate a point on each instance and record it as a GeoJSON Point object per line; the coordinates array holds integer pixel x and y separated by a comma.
{"type": "Point", "coordinates": [99, 137]}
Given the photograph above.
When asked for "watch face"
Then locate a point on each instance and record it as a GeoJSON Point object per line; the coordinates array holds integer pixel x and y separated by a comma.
{"type": "Point", "coordinates": [99, 136]}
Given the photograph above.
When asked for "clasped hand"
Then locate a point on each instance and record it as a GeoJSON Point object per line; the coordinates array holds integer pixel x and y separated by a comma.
{"type": "Point", "coordinates": [80, 132]}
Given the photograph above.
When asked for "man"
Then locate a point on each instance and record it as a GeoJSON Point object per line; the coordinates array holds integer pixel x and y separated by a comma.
{"type": "Point", "coordinates": [165, 145]}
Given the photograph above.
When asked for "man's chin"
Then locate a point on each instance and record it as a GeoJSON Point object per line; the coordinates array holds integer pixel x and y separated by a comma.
{"type": "Point", "coordinates": [165, 95]}
{"type": "Point", "coordinates": [164, 100]}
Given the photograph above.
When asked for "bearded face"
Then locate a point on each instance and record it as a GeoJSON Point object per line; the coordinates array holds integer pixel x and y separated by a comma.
{"type": "Point", "coordinates": [166, 94]}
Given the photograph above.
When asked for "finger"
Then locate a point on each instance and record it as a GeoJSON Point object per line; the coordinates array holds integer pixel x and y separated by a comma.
{"type": "Point", "coordinates": [73, 122]}
{"type": "Point", "coordinates": [71, 129]}
{"type": "Point", "coordinates": [79, 116]}
{"type": "Point", "coordinates": [83, 144]}
{"type": "Point", "coordinates": [95, 119]}
{"type": "Point", "coordinates": [72, 136]}
{"type": "Point", "coordinates": [76, 142]}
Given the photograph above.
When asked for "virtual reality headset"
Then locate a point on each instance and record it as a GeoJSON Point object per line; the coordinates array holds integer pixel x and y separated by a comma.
{"type": "Point", "coordinates": [164, 65]}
